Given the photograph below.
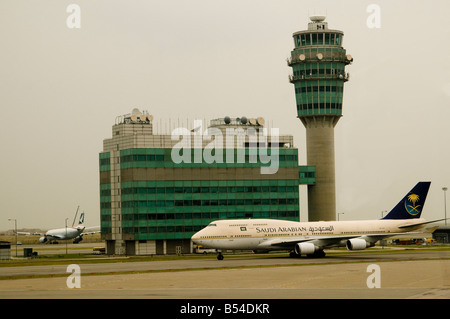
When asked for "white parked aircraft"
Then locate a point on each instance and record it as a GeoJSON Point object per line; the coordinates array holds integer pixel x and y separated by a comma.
{"type": "Point", "coordinates": [75, 232]}
{"type": "Point", "coordinates": [311, 238]}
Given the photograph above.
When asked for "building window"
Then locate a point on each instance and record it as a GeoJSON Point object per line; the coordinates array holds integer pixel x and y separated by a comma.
{"type": "Point", "coordinates": [303, 39]}
{"type": "Point", "coordinates": [338, 39]}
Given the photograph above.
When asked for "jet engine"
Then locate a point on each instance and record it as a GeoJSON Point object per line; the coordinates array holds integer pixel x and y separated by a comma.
{"type": "Point", "coordinates": [43, 239]}
{"type": "Point", "coordinates": [305, 248]}
{"type": "Point", "coordinates": [357, 244]}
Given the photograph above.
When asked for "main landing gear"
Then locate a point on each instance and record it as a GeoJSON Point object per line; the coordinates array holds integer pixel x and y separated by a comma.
{"type": "Point", "coordinates": [316, 254]}
{"type": "Point", "coordinates": [220, 256]}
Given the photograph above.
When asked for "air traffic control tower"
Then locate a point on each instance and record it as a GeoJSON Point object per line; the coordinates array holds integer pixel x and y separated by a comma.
{"type": "Point", "coordinates": [318, 62]}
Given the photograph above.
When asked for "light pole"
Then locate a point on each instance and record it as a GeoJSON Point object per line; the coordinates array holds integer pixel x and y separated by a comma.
{"type": "Point", "coordinates": [15, 229]}
{"type": "Point", "coordinates": [66, 233]}
{"type": "Point", "coordinates": [445, 203]}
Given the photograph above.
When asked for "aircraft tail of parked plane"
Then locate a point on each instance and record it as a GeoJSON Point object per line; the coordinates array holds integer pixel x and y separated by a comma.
{"type": "Point", "coordinates": [76, 232]}
{"type": "Point", "coordinates": [311, 238]}
{"type": "Point", "coordinates": [80, 221]}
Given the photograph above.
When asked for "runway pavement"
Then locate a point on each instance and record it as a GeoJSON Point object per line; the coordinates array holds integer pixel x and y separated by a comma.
{"type": "Point", "coordinates": [402, 274]}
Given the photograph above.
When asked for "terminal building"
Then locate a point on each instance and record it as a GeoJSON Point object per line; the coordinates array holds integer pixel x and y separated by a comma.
{"type": "Point", "coordinates": [157, 190]}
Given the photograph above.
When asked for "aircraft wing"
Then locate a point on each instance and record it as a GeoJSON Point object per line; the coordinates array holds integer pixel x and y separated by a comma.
{"type": "Point", "coordinates": [326, 241]}
{"type": "Point", "coordinates": [91, 230]}
{"type": "Point", "coordinates": [322, 241]}
{"type": "Point", "coordinates": [28, 234]}
{"type": "Point", "coordinates": [56, 237]}
{"type": "Point", "coordinates": [90, 233]}
{"type": "Point", "coordinates": [420, 224]}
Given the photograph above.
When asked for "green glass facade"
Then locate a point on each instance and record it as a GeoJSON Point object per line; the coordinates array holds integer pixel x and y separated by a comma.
{"type": "Point", "coordinates": [318, 62]}
{"type": "Point", "coordinates": [162, 200]}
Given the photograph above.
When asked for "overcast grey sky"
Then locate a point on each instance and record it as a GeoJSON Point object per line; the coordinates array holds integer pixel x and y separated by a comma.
{"type": "Point", "coordinates": [61, 90]}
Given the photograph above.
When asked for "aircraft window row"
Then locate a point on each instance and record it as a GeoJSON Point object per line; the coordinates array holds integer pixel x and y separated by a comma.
{"type": "Point", "coordinates": [211, 237]}
{"type": "Point", "coordinates": [238, 225]}
{"type": "Point", "coordinates": [283, 234]}
{"type": "Point", "coordinates": [364, 232]}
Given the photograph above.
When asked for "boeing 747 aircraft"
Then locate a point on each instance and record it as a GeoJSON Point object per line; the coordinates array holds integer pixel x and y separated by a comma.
{"type": "Point", "coordinates": [311, 238]}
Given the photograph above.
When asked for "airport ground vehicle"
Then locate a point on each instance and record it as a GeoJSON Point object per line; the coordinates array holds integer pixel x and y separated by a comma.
{"type": "Point", "coordinates": [202, 250]}
{"type": "Point", "coordinates": [99, 250]}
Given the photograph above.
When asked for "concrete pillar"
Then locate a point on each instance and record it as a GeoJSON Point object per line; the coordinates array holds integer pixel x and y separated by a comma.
{"type": "Point", "coordinates": [320, 153]}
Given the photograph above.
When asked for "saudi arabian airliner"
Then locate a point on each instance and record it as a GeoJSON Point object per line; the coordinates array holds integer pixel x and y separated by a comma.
{"type": "Point", "coordinates": [311, 238]}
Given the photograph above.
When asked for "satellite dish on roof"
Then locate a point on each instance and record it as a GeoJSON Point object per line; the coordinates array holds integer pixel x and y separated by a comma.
{"type": "Point", "coordinates": [134, 118]}
{"type": "Point", "coordinates": [143, 117]}
{"type": "Point", "coordinates": [243, 120]}
{"type": "Point", "coordinates": [227, 120]}
{"type": "Point", "coordinates": [136, 112]}
{"type": "Point", "coordinates": [252, 121]}
{"type": "Point", "coordinates": [150, 117]}
{"type": "Point", "coordinates": [260, 121]}
{"type": "Point", "coordinates": [317, 18]}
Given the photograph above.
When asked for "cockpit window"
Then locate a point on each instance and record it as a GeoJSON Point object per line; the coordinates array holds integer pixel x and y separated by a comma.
{"type": "Point", "coordinates": [212, 224]}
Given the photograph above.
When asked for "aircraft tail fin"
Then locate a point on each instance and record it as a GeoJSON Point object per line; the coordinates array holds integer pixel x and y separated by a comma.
{"type": "Point", "coordinates": [81, 220]}
{"type": "Point", "coordinates": [411, 205]}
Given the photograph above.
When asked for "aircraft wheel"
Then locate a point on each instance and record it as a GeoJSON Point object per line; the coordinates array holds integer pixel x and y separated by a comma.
{"type": "Point", "coordinates": [317, 254]}
{"type": "Point", "coordinates": [219, 257]}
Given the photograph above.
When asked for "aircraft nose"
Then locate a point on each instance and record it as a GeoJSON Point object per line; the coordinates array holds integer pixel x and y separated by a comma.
{"type": "Point", "coordinates": [196, 237]}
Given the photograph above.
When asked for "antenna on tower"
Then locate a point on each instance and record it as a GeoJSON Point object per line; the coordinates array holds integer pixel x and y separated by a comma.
{"type": "Point", "coordinates": [317, 17]}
